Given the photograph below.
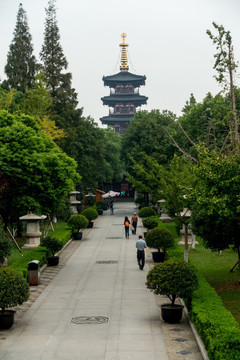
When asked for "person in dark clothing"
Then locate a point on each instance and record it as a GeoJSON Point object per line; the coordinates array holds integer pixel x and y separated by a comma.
{"type": "Point", "coordinates": [141, 245]}
{"type": "Point", "coordinates": [126, 225]}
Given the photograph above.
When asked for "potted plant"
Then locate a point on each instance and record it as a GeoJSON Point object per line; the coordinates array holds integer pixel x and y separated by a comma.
{"type": "Point", "coordinates": [100, 207]}
{"type": "Point", "coordinates": [76, 223]}
{"type": "Point", "coordinates": [5, 248]}
{"type": "Point", "coordinates": [90, 214]}
{"type": "Point", "coordinates": [174, 279]}
{"type": "Point", "coordinates": [160, 239]}
{"type": "Point", "coordinates": [53, 245]}
{"type": "Point", "coordinates": [14, 290]}
{"type": "Point", "coordinates": [149, 223]}
{"type": "Point", "coordinates": [146, 212]}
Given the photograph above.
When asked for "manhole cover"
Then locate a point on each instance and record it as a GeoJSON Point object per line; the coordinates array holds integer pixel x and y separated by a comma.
{"type": "Point", "coordinates": [107, 262]}
{"type": "Point", "coordinates": [90, 320]}
{"type": "Point", "coordinates": [114, 237]}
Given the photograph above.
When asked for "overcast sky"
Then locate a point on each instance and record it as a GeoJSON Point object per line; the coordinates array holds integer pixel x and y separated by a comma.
{"type": "Point", "coordinates": [167, 43]}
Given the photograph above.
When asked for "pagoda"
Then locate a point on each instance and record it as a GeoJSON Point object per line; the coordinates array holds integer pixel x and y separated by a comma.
{"type": "Point", "coordinates": [124, 95]}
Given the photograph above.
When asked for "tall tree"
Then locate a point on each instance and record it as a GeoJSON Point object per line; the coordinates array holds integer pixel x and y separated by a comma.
{"type": "Point", "coordinates": [226, 66]}
{"type": "Point", "coordinates": [54, 61]}
{"type": "Point", "coordinates": [21, 63]}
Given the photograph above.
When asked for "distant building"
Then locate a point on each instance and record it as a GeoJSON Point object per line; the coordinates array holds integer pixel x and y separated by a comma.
{"type": "Point", "coordinates": [124, 95]}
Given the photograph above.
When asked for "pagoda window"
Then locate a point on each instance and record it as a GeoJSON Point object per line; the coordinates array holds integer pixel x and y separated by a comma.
{"type": "Point", "coordinates": [124, 89]}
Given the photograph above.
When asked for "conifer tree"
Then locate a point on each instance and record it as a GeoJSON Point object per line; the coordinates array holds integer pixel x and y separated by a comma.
{"type": "Point", "coordinates": [21, 63]}
{"type": "Point", "coordinates": [54, 61]}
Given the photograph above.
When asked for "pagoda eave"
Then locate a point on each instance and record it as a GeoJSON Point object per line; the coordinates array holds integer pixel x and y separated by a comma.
{"type": "Point", "coordinates": [124, 78]}
{"type": "Point", "coordinates": [113, 119]}
{"type": "Point", "coordinates": [137, 100]}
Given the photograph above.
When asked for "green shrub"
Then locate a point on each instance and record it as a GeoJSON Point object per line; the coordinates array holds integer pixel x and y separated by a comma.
{"type": "Point", "coordinates": [172, 278]}
{"type": "Point", "coordinates": [139, 200]}
{"type": "Point", "coordinates": [6, 246]}
{"type": "Point", "coordinates": [90, 213]}
{"type": "Point", "coordinates": [146, 212]}
{"type": "Point", "coordinates": [14, 289]}
{"type": "Point", "coordinates": [77, 222]}
{"type": "Point", "coordinates": [52, 244]}
{"type": "Point", "coordinates": [158, 238]}
{"type": "Point", "coordinates": [100, 205]}
{"type": "Point", "coordinates": [214, 323]}
{"type": "Point", "coordinates": [150, 222]}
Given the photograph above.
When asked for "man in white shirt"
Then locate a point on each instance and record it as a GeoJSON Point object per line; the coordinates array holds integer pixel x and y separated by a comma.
{"type": "Point", "coordinates": [141, 245]}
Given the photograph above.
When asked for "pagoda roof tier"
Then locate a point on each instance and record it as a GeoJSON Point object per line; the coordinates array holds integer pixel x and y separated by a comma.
{"type": "Point", "coordinates": [113, 119]}
{"type": "Point", "coordinates": [137, 100]}
{"type": "Point", "coordinates": [124, 77]}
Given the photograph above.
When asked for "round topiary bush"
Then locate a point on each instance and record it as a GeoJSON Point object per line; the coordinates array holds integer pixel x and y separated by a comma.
{"type": "Point", "coordinates": [146, 212]}
{"type": "Point", "coordinates": [77, 222]}
{"type": "Point", "coordinates": [14, 289]}
{"type": "Point", "coordinates": [150, 222]}
{"type": "Point", "coordinates": [52, 244]}
{"type": "Point", "coordinates": [158, 238]}
{"type": "Point", "coordinates": [172, 278]}
{"type": "Point", "coordinates": [90, 213]}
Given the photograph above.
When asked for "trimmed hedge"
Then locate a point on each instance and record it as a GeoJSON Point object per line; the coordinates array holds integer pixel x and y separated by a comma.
{"type": "Point", "coordinates": [150, 222]}
{"type": "Point", "coordinates": [146, 212]}
{"type": "Point", "coordinates": [215, 324]}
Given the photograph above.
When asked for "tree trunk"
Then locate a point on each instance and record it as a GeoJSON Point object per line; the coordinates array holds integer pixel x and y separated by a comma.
{"type": "Point", "coordinates": [235, 121]}
{"type": "Point", "coordinates": [186, 243]}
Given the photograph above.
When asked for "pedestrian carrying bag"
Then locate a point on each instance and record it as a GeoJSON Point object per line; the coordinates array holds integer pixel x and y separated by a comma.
{"type": "Point", "coordinates": [127, 223]}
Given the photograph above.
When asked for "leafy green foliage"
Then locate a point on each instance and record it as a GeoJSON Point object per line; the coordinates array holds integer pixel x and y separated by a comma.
{"type": "Point", "coordinates": [14, 289]}
{"type": "Point", "coordinates": [21, 63]}
{"type": "Point", "coordinates": [146, 212]}
{"type": "Point", "coordinates": [215, 198]}
{"type": "Point", "coordinates": [216, 326]}
{"type": "Point", "coordinates": [90, 213]}
{"type": "Point", "coordinates": [36, 174]}
{"type": "Point", "coordinates": [52, 244]}
{"type": "Point", "coordinates": [172, 278]}
{"type": "Point", "coordinates": [159, 238]}
{"type": "Point", "coordinates": [150, 222]}
{"type": "Point", "coordinates": [77, 222]}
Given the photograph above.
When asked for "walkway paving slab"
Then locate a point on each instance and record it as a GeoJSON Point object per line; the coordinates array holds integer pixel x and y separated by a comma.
{"type": "Point", "coordinates": [97, 278]}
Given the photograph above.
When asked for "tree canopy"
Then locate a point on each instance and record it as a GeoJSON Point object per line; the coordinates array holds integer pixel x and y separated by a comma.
{"type": "Point", "coordinates": [34, 173]}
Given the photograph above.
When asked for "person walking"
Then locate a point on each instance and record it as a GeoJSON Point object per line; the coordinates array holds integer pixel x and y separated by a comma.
{"type": "Point", "coordinates": [126, 225]}
{"type": "Point", "coordinates": [111, 208]}
{"type": "Point", "coordinates": [134, 221]}
{"type": "Point", "coordinates": [141, 245]}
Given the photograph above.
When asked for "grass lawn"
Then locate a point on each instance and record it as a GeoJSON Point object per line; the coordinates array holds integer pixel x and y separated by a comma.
{"type": "Point", "coordinates": [215, 268]}
{"type": "Point", "coordinates": [20, 261]}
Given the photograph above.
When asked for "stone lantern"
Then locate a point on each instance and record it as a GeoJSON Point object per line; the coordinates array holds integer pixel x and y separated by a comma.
{"type": "Point", "coordinates": [191, 237]}
{"type": "Point", "coordinates": [74, 202]}
{"type": "Point", "coordinates": [33, 232]}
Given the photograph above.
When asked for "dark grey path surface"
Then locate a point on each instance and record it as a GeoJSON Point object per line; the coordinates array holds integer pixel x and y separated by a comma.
{"type": "Point", "coordinates": [96, 305]}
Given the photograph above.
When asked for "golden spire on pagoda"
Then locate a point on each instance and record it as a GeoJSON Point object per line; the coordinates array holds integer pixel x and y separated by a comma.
{"type": "Point", "coordinates": [124, 60]}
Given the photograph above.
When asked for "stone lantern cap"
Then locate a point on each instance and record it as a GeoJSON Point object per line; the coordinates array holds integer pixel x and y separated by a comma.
{"type": "Point", "coordinates": [75, 202]}
{"type": "Point", "coordinates": [74, 192]}
{"type": "Point", "coordinates": [32, 217]}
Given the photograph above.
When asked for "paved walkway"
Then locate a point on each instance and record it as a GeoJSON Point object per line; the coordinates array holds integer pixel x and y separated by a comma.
{"type": "Point", "coordinates": [95, 305]}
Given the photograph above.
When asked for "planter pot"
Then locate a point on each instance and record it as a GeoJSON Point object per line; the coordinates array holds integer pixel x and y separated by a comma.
{"type": "Point", "coordinates": [144, 234]}
{"type": "Point", "coordinates": [53, 261]}
{"type": "Point", "coordinates": [77, 235]}
{"type": "Point", "coordinates": [158, 256]}
{"type": "Point", "coordinates": [100, 212]}
{"type": "Point", "coordinates": [90, 225]}
{"type": "Point", "coordinates": [105, 207]}
{"type": "Point", "coordinates": [6, 319]}
{"type": "Point", "coordinates": [171, 314]}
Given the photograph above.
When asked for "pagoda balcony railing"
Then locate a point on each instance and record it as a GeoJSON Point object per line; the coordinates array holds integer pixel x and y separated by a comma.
{"type": "Point", "coordinates": [122, 110]}
{"type": "Point", "coordinates": [124, 91]}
